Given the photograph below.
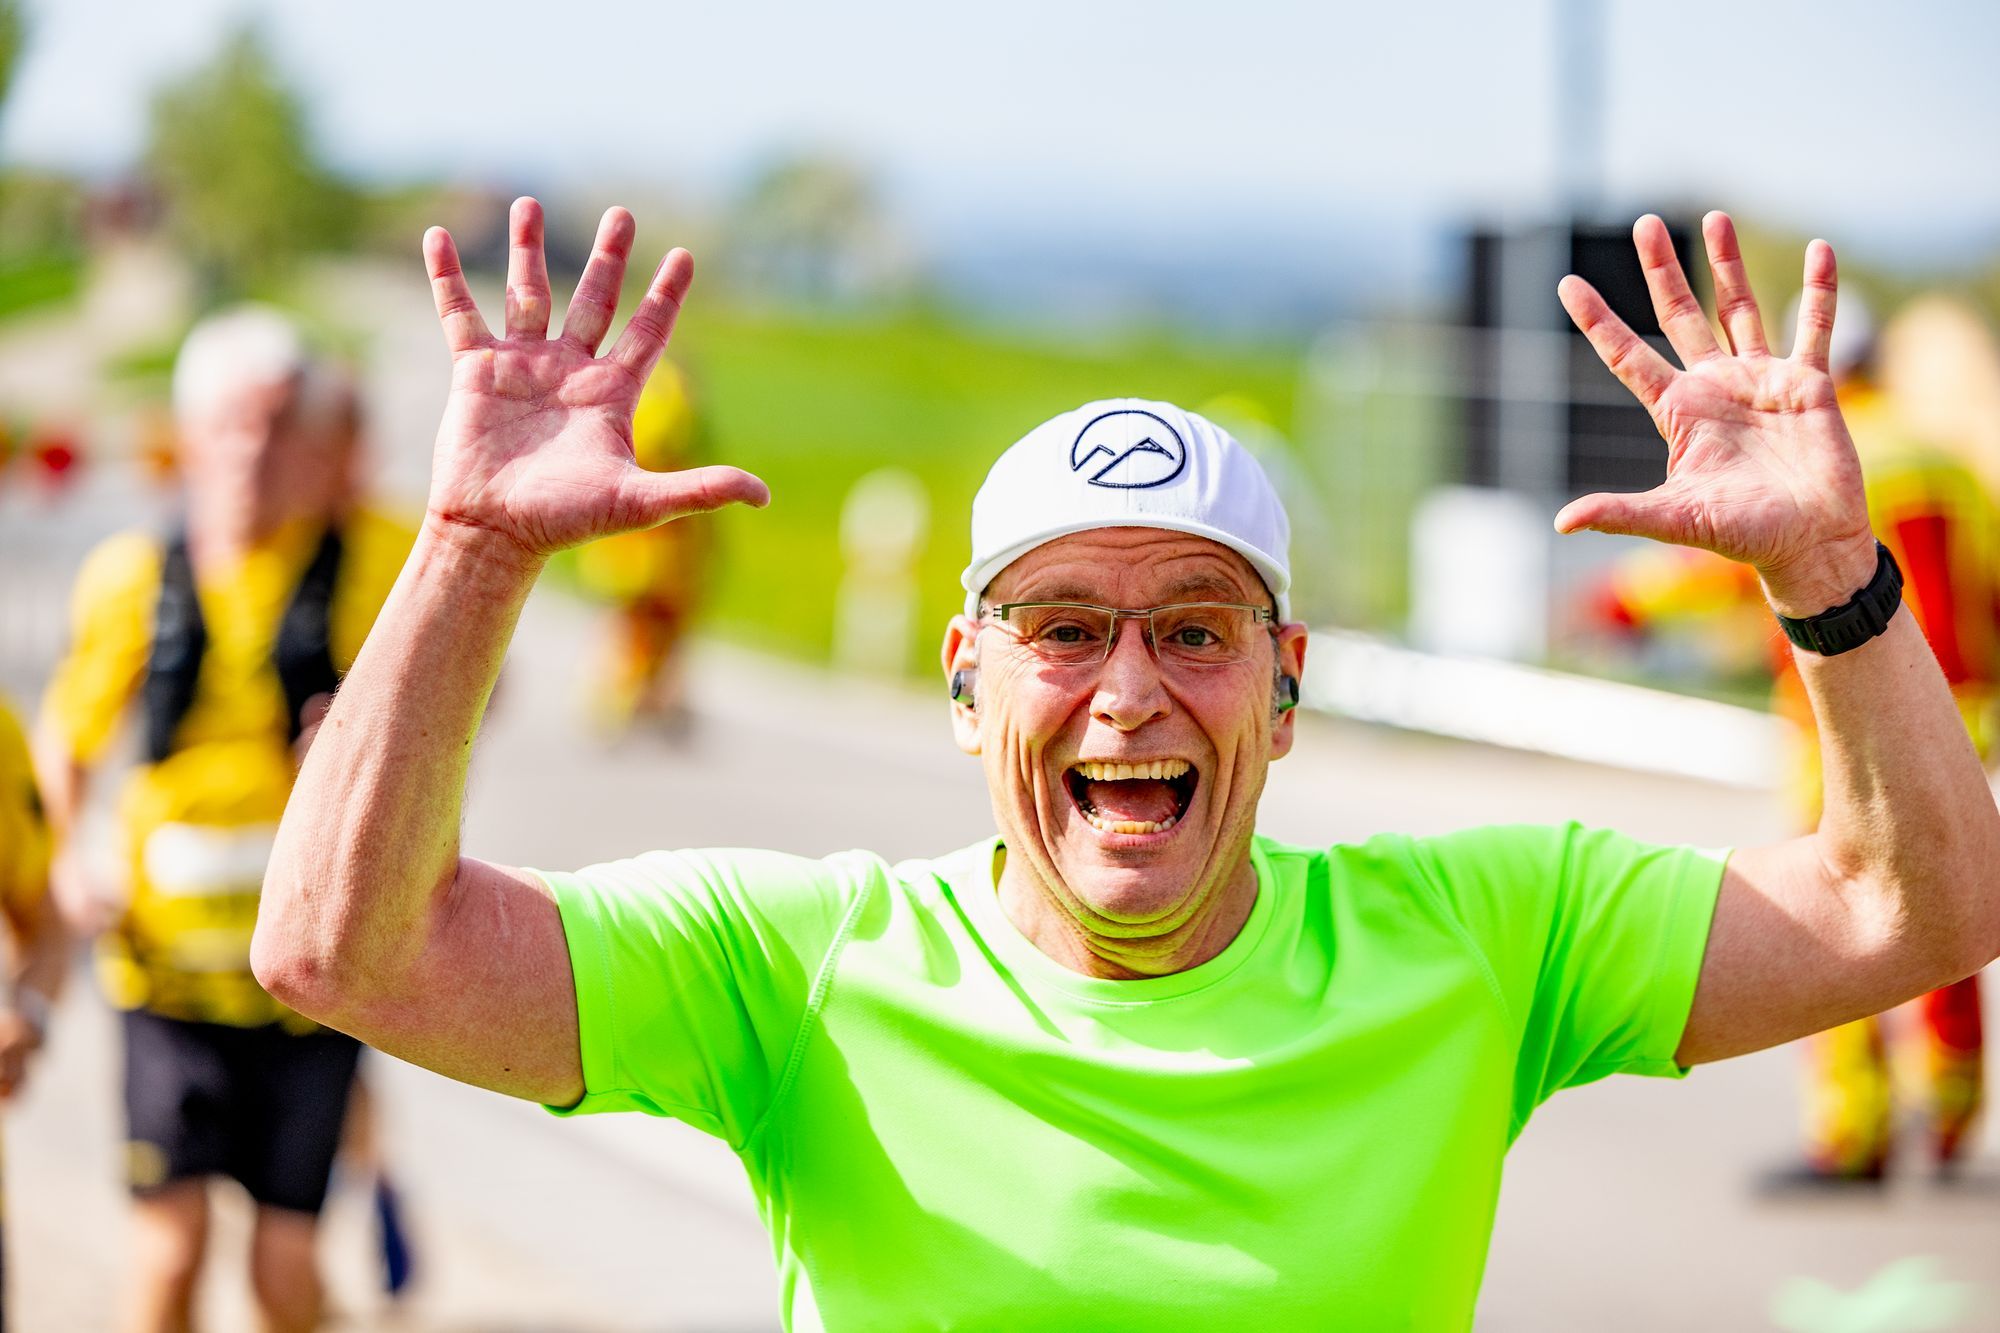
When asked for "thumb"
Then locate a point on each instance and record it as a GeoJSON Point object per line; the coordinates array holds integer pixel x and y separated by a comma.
{"type": "Point", "coordinates": [653, 498]}
{"type": "Point", "coordinates": [1640, 515]}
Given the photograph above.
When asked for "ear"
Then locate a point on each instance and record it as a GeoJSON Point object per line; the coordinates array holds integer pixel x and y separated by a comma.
{"type": "Point", "coordinates": [1291, 662]}
{"type": "Point", "coordinates": [961, 653]}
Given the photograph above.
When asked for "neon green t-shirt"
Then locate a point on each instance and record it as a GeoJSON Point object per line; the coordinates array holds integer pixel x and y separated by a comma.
{"type": "Point", "coordinates": [944, 1127]}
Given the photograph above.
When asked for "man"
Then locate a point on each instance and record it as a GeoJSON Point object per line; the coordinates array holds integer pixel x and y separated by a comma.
{"type": "Point", "coordinates": [230, 634]}
{"type": "Point", "coordinates": [32, 942]}
{"type": "Point", "coordinates": [1126, 1064]}
{"type": "Point", "coordinates": [1931, 511]}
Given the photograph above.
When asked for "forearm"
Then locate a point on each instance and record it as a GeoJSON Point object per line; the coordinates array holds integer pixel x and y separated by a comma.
{"type": "Point", "coordinates": [43, 951]}
{"type": "Point", "coordinates": [1908, 829]}
{"type": "Point", "coordinates": [368, 848]}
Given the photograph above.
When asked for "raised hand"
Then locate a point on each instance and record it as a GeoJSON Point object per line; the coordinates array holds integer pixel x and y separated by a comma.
{"type": "Point", "coordinates": [1760, 467]}
{"type": "Point", "coordinates": [536, 442]}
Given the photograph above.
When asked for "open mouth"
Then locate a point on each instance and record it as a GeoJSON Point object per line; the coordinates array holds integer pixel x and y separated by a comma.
{"type": "Point", "coordinates": [1132, 798]}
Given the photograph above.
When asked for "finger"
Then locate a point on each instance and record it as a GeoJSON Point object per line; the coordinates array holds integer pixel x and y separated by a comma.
{"type": "Point", "coordinates": [1638, 367]}
{"type": "Point", "coordinates": [1814, 338]}
{"type": "Point", "coordinates": [457, 311]}
{"type": "Point", "coordinates": [1679, 313]}
{"type": "Point", "coordinates": [1735, 303]}
{"type": "Point", "coordinates": [527, 272]}
{"type": "Point", "coordinates": [1644, 514]}
{"type": "Point", "coordinates": [589, 315]}
{"type": "Point", "coordinates": [638, 348]}
{"type": "Point", "coordinates": [648, 499]}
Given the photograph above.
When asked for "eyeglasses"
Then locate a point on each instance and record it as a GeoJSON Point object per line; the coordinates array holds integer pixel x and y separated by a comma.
{"type": "Point", "coordinates": [1187, 634]}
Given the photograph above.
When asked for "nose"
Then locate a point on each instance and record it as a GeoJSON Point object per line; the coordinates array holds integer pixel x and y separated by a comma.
{"type": "Point", "coordinates": [1130, 690]}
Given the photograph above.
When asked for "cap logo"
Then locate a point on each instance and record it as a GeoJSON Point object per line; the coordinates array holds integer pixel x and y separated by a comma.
{"type": "Point", "coordinates": [1105, 454]}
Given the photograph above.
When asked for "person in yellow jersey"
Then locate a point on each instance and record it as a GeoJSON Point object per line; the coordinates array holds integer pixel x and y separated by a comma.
{"type": "Point", "coordinates": [222, 640]}
{"type": "Point", "coordinates": [31, 935]}
{"type": "Point", "coordinates": [650, 578]}
{"type": "Point", "coordinates": [1929, 507]}
{"type": "Point", "coordinates": [1124, 1063]}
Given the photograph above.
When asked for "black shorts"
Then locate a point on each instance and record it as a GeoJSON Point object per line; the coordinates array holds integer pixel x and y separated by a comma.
{"type": "Point", "coordinates": [259, 1105]}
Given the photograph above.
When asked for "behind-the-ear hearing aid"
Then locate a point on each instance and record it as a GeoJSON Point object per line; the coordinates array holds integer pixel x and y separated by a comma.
{"type": "Point", "coordinates": [1288, 693]}
{"type": "Point", "coordinates": [963, 683]}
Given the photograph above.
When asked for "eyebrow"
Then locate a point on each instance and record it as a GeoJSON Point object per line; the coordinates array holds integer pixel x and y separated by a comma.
{"type": "Point", "coordinates": [1196, 587]}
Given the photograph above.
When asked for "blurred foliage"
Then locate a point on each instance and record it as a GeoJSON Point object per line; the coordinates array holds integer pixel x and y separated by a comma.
{"type": "Point", "coordinates": [244, 190]}
{"type": "Point", "coordinates": [13, 37]}
{"type": "Point", "coordinates": [812, 403]}
{"type": "Point", "coordinates": [810, 229]}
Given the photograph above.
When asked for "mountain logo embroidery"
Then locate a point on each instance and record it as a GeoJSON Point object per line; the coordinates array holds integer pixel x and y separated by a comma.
{"type": "Point", "coordinates": [1115, 451]}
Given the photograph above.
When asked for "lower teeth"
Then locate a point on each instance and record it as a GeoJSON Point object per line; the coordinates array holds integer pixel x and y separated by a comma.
{"type": "Point", "coordinates": [1104, 825]}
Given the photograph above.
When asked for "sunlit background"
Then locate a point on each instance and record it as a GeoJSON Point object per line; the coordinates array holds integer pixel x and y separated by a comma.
{"type": "Point", "coordinates": [920, 230]}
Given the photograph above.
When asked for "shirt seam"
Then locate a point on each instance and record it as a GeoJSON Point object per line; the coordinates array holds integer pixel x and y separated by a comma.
{"type": "Point", "coordinates": [809, 1020]}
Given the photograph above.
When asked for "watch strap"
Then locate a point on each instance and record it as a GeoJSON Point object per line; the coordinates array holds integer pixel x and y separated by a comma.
{"type": "Point", "coordinates": [1846, 627]}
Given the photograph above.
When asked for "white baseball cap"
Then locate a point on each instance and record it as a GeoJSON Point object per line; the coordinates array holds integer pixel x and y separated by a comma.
{"type": "Point", "coordinates": [1128, 463]}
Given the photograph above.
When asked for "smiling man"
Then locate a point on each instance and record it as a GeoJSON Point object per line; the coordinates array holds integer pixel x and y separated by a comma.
{"type": "Point", "coordinates": [1126, 1064]}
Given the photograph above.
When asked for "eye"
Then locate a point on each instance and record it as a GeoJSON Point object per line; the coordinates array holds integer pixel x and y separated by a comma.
{"type": "Point", "coordinates": [1195, 636]}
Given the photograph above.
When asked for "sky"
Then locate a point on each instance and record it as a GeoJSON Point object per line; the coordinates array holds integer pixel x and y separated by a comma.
{"type": "Point", "coordinates": [1168, 126]}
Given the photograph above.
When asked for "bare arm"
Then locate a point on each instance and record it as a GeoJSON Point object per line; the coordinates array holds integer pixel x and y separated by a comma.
{"type": "Point", "coordinates": [1898, 890]}
{"type": "Point", "coordinates": [64, 781]}
{"type": "Point", "coordinates": [371, 921]}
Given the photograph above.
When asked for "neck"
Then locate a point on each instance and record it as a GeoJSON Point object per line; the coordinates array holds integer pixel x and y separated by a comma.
{"type": "Point", "coordinates": [222, 532]}
{"type": "Point", "coordinates": [1068, 932]}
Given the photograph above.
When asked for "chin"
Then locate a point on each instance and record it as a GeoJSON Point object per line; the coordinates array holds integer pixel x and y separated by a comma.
{"type": "Point", "coordinates": [1128, 890]}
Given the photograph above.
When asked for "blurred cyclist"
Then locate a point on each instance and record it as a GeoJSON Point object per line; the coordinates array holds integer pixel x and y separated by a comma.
{"type": "Point", "coordinates": [1930, 509]}
{"type": "Point", "coordinates": [650, 577]}
{"type": "Point", "coordinates": [230, 634]}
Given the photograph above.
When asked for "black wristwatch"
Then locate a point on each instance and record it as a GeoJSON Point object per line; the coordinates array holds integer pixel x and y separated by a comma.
{"type": "Point", "coordinates": [1848, 626]}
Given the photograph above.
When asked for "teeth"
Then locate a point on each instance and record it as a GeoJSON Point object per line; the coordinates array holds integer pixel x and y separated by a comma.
{"type": "Point", "coordinates": [1159, 768]}
{"type": "Point", "coordinates": [1103, 825]}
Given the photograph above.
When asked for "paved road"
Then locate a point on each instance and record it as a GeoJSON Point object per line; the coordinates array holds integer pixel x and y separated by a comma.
{"type": "Point", "coordinates": [1624, 1203]}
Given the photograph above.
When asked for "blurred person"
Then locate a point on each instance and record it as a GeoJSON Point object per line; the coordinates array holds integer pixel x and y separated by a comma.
{"type": "Point", "coordinates": [1929, 507]}
{"type": "Point", "coordinates": [1126, 1063]}
{"type": "Point", "coordinates": [650, 577]}
{"type": "Point", "coordinates": [32, 940]}
{"type": "Point", "coordinates": [228, 634]}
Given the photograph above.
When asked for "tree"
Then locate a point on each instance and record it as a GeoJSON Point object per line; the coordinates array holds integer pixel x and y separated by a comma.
{"type": "Point", "coordinates": [233, 160]}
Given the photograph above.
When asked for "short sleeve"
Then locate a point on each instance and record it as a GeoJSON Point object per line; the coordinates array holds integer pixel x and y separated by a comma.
{"type": "Point", "coordinates": [111, 632]}
{"type": "Point", "coordinates": [24, 832]}
{"type": "Point", "coordinates": [698, 973]}
{"type": "Point", "coordinates": [1594, 941]}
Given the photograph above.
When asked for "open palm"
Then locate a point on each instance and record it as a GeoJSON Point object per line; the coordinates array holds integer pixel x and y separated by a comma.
{"type": "Point", "coordinates": [536, 441]}
{"type": "Point", "coordinates": [1760, 467]}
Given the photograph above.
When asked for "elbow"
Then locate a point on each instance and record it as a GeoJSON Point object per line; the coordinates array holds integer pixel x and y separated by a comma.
{"type": "Point", "coordinates": [298, 965]}
{"type": "Point", "coordinates": [292, 973]}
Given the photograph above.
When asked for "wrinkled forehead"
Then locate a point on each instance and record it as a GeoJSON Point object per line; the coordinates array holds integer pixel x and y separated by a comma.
{"type": "Point", "coordinates": [1129, 567]}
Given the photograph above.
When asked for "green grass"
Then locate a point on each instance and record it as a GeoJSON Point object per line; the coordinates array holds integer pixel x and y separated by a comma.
{"type": "Point", "coordinates": [811, 405]}
{"type": "Point", "coordinates": [31, 282]}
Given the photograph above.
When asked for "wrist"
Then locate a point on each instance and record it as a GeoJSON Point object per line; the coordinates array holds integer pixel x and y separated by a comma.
{"type": "Point", "coordinates": [481, 551]}
{"type": "Point", "coordinates": [1830, 576]}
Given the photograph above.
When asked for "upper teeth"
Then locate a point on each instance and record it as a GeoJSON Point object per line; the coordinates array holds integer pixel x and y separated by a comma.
{"type": "Point", "coordinates": [1159, 768]}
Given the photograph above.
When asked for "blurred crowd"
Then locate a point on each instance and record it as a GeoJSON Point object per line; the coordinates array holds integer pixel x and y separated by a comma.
{"type": "Point", "coordinates": [218, 639]}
